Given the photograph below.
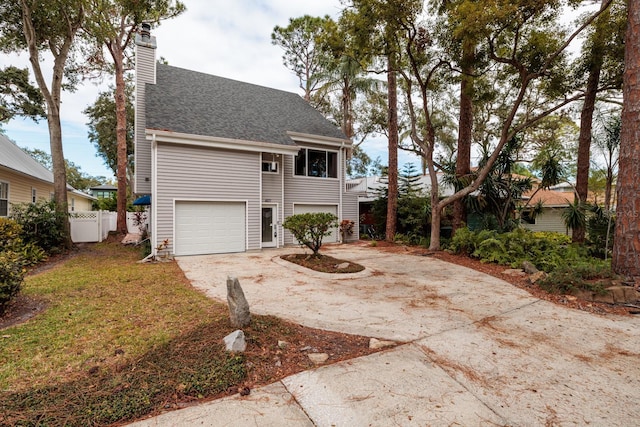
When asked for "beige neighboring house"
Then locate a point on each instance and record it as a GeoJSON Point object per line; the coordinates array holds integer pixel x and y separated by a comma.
{"type": "Point", "coordinates": [550, 219]}
{"type": "Point", "coordinates": [24, 180]}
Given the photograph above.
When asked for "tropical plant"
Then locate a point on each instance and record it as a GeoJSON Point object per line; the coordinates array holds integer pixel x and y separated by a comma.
{"type": "Point", "coordinates": [574, 215]}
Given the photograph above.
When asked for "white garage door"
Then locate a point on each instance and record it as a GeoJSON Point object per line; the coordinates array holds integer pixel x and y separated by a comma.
{"type": "Point", "coordinates": [332, 209]}
{"type": "Point", "coordinates": [210, 227]}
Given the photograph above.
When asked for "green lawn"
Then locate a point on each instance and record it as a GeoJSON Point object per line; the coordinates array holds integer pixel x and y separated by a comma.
{"type": "Point", "coordinates": [118, 340]}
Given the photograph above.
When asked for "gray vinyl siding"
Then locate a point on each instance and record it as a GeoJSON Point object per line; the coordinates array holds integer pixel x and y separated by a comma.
{"type": "Point", "coordinates": [145, 74]}
{"type": "Point", "coordinates": [549, 220]}
{"type": "Point", "coordinates": [272, 186]}
{"type": "Point", "coordinates": [350, 211]}
{"type": "Point", "coordinates": [198, 173]}
{"type": "Point", "coordinates": [310, 190]}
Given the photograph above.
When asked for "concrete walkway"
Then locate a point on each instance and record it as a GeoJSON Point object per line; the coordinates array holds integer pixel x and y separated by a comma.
{"type": "Point", "coordinates": [478, 351]}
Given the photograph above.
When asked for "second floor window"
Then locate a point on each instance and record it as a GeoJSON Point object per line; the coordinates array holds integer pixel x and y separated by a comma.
{"type": "Point", "coordinates": [316, 163]}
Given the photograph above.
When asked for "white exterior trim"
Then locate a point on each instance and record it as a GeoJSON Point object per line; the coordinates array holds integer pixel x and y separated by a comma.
{"type": "Point", "coordinates": [317, 139]}
{"type": "Point", "coordinates": [223, 143]}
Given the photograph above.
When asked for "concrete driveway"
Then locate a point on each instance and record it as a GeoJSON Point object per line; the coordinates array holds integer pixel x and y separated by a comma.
{"type": "Point", "coordinates": [477, 350]}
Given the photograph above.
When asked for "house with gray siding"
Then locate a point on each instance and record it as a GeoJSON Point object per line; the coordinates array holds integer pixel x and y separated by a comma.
{"type": "Point", "coordinates": [225, 162]}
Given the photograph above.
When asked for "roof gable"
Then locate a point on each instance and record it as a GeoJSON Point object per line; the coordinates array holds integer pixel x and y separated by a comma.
{"type": "Point", "coordinates": [14, 158]}
{"type": "Point", "coordinates": [548, 198]}
{"type": "Point", "coordinates": [190, 102]}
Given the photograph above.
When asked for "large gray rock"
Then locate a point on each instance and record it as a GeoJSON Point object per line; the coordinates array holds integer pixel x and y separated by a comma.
{"type": "Point", "coordinates": [238, 305]}
{"type": "Point", "coordinates": [529, 268]}
{"type": "Point", "coordinates": [235, 341]}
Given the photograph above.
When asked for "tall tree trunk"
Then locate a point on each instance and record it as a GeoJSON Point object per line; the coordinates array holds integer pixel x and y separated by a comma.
{"type": "Point", "coordinates": [392, 199]}
{"type": "Point", "coordinates": [52, 99]}
{"type": "Point", "coordinates": [586, 120]}
{"type": "Point", "coordinates": [121, 137]}
{"type": "Point", "coordinates": [465, 128]}
{"type": "Point", "coordinates": [626, 247]}
{"type": "Point", "coordinates": [59, 172]}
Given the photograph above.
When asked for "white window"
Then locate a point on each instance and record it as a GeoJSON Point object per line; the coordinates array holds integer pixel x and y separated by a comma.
{"type": "Point", "coordinates": [34, 195]}
{"type": "Point", "coordinates": [316, 163]}
{"type": "Point", "coordinates": [4, 198]}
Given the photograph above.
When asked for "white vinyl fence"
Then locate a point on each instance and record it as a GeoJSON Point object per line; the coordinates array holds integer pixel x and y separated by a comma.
{"type": "Point", "coordinates": [94, 226]}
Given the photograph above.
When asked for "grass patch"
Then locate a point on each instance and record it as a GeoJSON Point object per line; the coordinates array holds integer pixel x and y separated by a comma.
{"type": "Point", "coordinates": [120, 340]}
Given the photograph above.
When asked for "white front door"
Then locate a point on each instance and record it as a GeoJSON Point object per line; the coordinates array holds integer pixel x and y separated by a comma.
{"type": "Point", "coordinates": [269, 229]}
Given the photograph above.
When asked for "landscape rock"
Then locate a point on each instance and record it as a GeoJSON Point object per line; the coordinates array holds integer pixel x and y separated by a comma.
{"type": "Point", "coordinates": [342, 266]}
{"type": "Point", "coordinates": [624, 294]}
{"type": "Point", "coordinates": [529, 268]}
{"type": "Point", "coordinates": [238, 305]}
{"type": "Point", "coordinates": [318, 358]}
{"type": "Point", "coordinates": [235, 341]}
{"type": "Point", "coordinates": [612, 295]}
{"type": "Point", "coordinates": [376, 343]}
{"type": "Point", "coordinates": [536, 277]}
{"type": "Point", "coordinates": [513, 272]}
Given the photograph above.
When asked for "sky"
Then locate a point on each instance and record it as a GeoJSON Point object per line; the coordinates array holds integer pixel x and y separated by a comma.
{"type": "Point", "coordinates": [225, 38]}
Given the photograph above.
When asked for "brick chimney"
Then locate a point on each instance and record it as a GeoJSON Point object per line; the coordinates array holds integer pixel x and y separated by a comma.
{"type": "Point", "coordinates": [145, 57]}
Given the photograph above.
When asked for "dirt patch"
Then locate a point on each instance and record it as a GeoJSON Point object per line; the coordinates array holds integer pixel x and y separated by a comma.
{"type": "Point", "coordinates": [324, 263]}
{"type": "Point", "coordinates": [21, 309]}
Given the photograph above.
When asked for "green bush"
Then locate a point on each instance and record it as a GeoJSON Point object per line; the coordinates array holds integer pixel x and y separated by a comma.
{"type": "Point", "coordinates": [582, 275]}
{"type": "Point", "coordinates": [11, 268]}
{"type": "Point", "coordinates": [15, 255]}
{"type": "Point", "coordinates": [546, 250]}
{"type": "Point", "coordinates": [600, 226]}
{"type": "Point", "coordinates": [310, 228]}
{"type": "Point", "coordinates": [11, 240]}
{"type": "Point", "coordinates": [11, 276]}
{"type": "Point", "coordinates": [570, 267]}
{"type": "Point", "coordinates": [41, 224]}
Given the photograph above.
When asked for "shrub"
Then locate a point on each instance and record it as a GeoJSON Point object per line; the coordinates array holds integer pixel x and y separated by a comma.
{"type": "Point", "coordinates": [546, 250]}
{"type": "Point", "coordinates": [581, 275]}
{"type": "Point", "coordinates": [11, 241]}
{"type": "Point", "coordinates": [600, 230]}
{"type": "Point", "coordinates": [11, 269]}
{"type": "Point", "coordinates": [41, 224]}
{"type": "Point", "coordinates": [11, 276]}
{"type": "Point", "coordinates": [310, 228]}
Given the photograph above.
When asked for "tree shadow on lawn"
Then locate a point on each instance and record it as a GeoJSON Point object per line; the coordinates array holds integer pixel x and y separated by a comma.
{"type": "Point", "coordinates": [189, 368]}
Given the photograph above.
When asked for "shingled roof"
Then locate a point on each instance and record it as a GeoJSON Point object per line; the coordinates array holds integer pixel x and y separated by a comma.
{"type": "Point", "coordinates": [191, 102]}
{"type": "Point", "coordinates": [14, 158]}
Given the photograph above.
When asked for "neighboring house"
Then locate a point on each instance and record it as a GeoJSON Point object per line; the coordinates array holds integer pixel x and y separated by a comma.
{"type": "Point", "coordinates": [24, 180]}
{"type": "Point", "coordinates": [104, 191]}
{"type": "Point", "coordinates": [370, 188]}
{"type": "Point", "coordinates": [550, 219]}
{"type": "Point", "coordinates": [225, 162]}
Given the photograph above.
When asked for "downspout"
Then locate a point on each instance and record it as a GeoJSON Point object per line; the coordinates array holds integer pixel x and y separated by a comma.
{"type": "Point", "coordinates": [342, 171]}
{"type": "Point", "coordinates": [154, 195]}
{"type": "Point", "coordinates": [281, 213]}
{"type": "Point", "coordinates": [261, 202]}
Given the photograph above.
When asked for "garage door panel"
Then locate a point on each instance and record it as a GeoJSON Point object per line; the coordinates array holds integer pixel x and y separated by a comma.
{"type": "Point", "coordinates": [332, 209]}
{"type": "Point", "coordinates": [210, 227]}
